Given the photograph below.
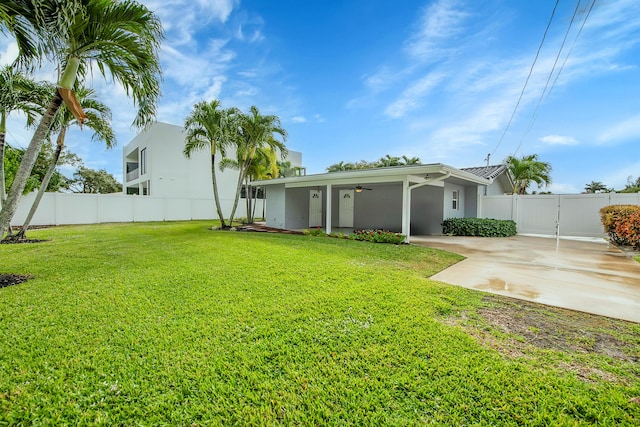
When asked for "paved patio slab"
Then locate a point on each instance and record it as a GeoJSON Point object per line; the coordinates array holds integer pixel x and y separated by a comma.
{"type": "Point", "coordinates": [588, 276]}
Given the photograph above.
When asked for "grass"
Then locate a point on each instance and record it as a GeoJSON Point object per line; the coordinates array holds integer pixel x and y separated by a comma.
{"type": "Point", "coordinates": [637, 258]}
{"type": "Point", "coordinates": [173, 324]}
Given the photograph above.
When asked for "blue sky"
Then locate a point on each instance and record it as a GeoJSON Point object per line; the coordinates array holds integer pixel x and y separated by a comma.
{"type": "Point", "coordinates": [358, 79]}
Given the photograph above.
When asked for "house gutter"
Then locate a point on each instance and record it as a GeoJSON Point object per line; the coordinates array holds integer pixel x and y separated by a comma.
{"type": "Point", "coordinates": [410, 188]}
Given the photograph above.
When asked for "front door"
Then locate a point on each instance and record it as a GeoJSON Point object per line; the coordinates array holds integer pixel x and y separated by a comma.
{"type": "Point", "coordinates": [345, 218]}
{"type": "Point", "coordinates": [315, 208]}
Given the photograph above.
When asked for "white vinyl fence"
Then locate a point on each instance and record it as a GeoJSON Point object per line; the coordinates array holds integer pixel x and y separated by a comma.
{"type": "Point", "coordinates": [64, 208]}
{"type": "Point", "coordinates": [572, 214]}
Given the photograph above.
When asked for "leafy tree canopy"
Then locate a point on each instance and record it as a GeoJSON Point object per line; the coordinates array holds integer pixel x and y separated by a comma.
{"type": "Point", "coordinates": [13, 157]}
{"type": "Point", "coordinates": [87, 180]}
{"type": "Point", "coordinates": [382, 162]}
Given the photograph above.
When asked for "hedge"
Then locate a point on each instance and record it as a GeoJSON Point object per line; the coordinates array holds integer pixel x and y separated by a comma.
{"type": "Point", "coordinates": [622, 224]}
{"type": "Point", "coordinates": [482, 227]}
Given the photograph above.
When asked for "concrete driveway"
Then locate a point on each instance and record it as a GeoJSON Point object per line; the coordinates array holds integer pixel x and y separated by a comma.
{"type": "Point", "coordinates": [588, 276]}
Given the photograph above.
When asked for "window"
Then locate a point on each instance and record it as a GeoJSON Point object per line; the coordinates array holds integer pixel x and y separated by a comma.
{"type": "Point", "coordinates": [454, 200]}
{"type": "Point", "coordinates": [143, 161]}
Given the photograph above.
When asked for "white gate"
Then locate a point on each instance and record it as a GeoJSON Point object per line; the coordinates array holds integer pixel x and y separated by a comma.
{"type": "Point", "coordinates": [574, 214]}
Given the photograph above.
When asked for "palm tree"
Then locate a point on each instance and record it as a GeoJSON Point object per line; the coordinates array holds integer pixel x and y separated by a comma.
{"type": "Point", "coordinates": [285, 169]}
{"type": "Point", "coordinates": [265, 165]}
{"type": "Point", "coordinates": [387, 161]}
{"type": "Point", "coordinates": [18, 92]}
{"type": "Point", "coordinates": [207, 126]}
{"type": "Point", "coordinates": [98, 119]}
{"type": "Point", "coordinates": [596, 187]}
{"type": "Point", "coordinates": [120, 38]}
{"type": "Point", "coordinates": [255, 131]}
{"type": "Point", "coordinates": [410, 160]}
{"type": "Point", "coordinates": [528, 169]}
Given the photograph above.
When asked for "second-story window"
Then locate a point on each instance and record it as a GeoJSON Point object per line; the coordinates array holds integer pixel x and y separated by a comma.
{"type": "Point", "coordinates": [143, 161]}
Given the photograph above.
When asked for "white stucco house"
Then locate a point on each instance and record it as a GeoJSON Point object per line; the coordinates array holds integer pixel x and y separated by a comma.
{"type": "Point", "coordinates": [154, 165]}
{"type": "Point", "coordinates": [407, 199]}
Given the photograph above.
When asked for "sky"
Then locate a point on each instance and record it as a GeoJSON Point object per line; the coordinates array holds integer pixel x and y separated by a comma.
{"type": "Point", "coordinates": [448, 81]}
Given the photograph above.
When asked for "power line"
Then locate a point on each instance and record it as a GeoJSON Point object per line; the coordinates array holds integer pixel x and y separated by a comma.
{"type": "Point", "coordinates": [544, 36]}
{"type": "Point", "coordinates": [546, 85]}
{"type": "Point", "coordinates": [593, 3]}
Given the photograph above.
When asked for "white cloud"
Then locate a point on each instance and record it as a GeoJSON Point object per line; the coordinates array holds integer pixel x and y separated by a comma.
{"type": "Point", "coordinates": [213, 92]}
{"type": "Point", "coordinates": [411, 97]}
{"type": "Point", "coordinates": [298, 119]}
{"type": "Point", "coordinates": [439, 23]}
{"type": "Point", "coordinates": [622, 131]}
{"type": "Point", "coordinates": [559, 140]}
{"type": "Point", "coordinates": [8, 51]}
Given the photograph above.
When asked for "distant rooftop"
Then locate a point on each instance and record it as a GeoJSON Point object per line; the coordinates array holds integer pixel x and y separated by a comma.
{"type": "Point", "coordinates": [488, 172]}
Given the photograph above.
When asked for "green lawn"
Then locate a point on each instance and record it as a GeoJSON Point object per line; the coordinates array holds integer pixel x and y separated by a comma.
{"type": "Point", "coordinates": [174, 324]}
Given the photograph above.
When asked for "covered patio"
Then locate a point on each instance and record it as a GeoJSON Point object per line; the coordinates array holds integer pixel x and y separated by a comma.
{"type": "Point", "coordinates": [412, 200]}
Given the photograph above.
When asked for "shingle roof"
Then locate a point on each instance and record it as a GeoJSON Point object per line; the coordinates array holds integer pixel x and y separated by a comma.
{"type": "Point", "coordinates": [488, 172]}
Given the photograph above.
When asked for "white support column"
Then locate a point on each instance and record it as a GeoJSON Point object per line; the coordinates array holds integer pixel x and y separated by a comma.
{"type": "Point", "coordinates": [406, 209]}
{"type": "Point", "coordinates": [328, 212]}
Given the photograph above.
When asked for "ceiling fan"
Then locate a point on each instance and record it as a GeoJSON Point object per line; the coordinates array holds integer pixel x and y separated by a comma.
{"type": "Point", "coordinates": [359, 188]}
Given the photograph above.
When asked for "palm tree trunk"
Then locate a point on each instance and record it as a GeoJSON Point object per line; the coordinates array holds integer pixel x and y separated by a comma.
{"type": "Point", "coordinates": [235, 201]}
{"type": "Point", "coordinates": [3, 133]}
{"type": "Point", "coordinates": [43, 186]}
{"type": "Point", "coordinates": [215, 191]}
{"type": "Point", "coordinates": [26, 165]}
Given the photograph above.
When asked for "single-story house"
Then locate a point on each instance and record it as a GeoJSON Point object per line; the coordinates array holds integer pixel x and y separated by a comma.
{"type": "Point", "coordinates": [411, 199]}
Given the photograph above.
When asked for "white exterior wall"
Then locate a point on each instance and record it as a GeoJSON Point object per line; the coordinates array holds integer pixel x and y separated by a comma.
{"type": "Point", "coordinates": [449, 212]}
{"type": "Point", "coordinates": [275, 206]}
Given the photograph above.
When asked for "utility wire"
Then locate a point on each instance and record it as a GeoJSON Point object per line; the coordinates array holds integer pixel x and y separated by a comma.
{"type": "Point", "coordinates": [593, 3]}
{"type": "Point", "coordinates": [546, 85]}
{"type": "Point", "coordinates": [545, 93]}
{"type": "Point", "coordinates": [544, 36]}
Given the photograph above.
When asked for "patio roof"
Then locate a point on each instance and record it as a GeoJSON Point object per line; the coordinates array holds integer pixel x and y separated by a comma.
{"type": "Point", "coordinates": [413, 173]}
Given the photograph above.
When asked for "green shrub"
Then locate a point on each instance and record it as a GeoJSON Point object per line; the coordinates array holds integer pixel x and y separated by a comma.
{"type": "Point", "coordinates": [377, 236]}
{"type": "Point", "coordinates": [622, 224]}
{"type": "Point", "coordinates": [482, 227]}
{"type": "Point", "coordinates": [318, 232]}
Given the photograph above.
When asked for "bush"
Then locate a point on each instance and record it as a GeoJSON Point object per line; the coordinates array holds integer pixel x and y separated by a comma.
{"type": "Point", "coordinates": [318, 232]}
{"type": "Point", "coordinates": [622, 224]}
{"type": "Point", "coordinates": [377, 236]}
{"type": "Point", "coordinates": [482, 227]}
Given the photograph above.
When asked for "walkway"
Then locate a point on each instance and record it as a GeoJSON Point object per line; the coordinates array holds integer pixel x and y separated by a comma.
{"type": "Point", "coordinates": [586, 276]}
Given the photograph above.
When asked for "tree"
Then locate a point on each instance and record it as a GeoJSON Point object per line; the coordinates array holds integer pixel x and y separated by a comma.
{"type": "Point", "coordinates": [121, 39]}
{"type": "Point", "coordinates": [18, 92]}
{"type": "Point", "coordinates": [285, 169]}
{"type": "Point", "coordinates": [98, 119]}
{"type": "Point", "coordinates": [13, 157]}
{"type": "Point", "coordinates": [208, 126]}
{"type": "Point", "coordinates": [528, 169]}
{"type": "Point", "coordinates": [255, 131]}
{"type": "Point", "coordinates": [382, 162]}
{"type": "Point", "coordinates": [92, 181]}
{"type": "Point", "coordinates": [632, 186]}
{"type": "Point", "coordinates": [596, 187]}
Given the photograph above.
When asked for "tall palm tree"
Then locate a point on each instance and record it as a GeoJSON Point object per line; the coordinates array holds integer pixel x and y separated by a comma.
{"type": "Point", "coordinates": [18, 92]}
{"type": "Point", "coordinates": [595, 187]}
{"type": "Point", "coordinates": [255, 131]}
{"type": "Point", "coordinates": [98, 119]}
{"type": "Point", "coordinates": [528, 169]}
{"type": "Point", "coordinates": [208, 126]}
{"type": "Point", "coordinates": [120, 38]}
